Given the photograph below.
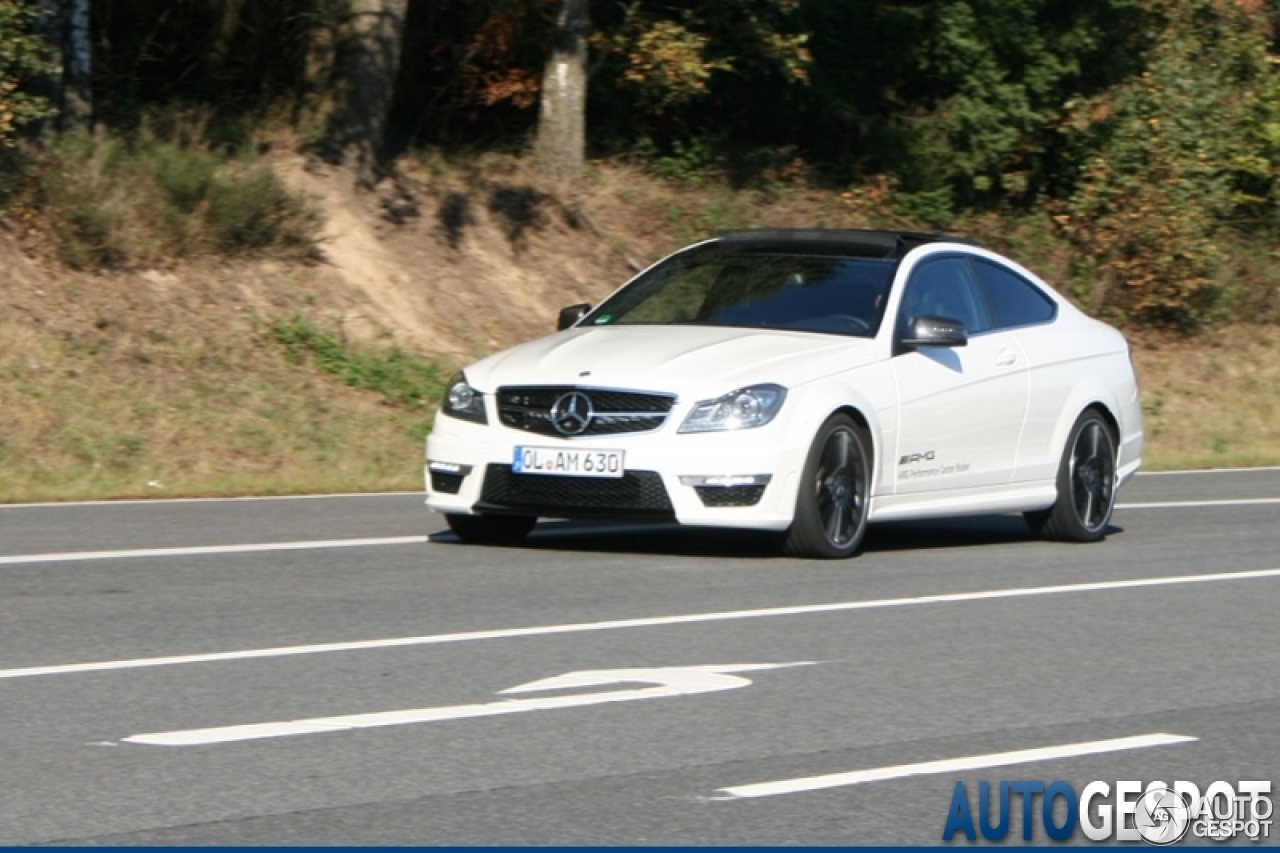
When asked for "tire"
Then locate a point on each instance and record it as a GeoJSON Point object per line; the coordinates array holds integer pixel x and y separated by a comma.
{"type": "Point", "coordinates": [1086, 485]}
{"type": "Point", "coordinates": [835, 487]}
{"type": "Point", "coordinates": [491, 529]}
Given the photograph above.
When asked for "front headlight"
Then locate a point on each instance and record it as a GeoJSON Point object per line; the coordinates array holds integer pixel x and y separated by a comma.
{"type": "Point", "coordinates": [463, 401]}
{"type": "Point", "coordinates": [742, 409]}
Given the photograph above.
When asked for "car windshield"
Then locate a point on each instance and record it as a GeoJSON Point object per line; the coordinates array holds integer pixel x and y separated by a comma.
{"type": "Point", "coordinates": [757, 289]}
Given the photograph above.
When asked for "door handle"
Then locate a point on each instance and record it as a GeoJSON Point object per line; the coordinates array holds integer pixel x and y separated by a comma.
{"type": "Point", "coordinates": [1006, 357]}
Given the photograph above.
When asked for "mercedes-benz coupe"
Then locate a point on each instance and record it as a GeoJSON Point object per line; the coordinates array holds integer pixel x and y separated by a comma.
{"type": "Point", "coordinates": [807, 382]}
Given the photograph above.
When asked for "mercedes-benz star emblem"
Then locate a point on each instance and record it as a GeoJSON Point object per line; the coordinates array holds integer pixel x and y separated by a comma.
{"type": "Point", "coordinates": [571, 413]}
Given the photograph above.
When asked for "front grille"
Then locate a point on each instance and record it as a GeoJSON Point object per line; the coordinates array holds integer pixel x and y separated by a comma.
{"type": "Point", "coordinates": [637, 494]}
{"type": "Point", "coordinates": [444, 483]}
{"type": "Point", "coordinates": [613, 412]}
{"type": "Point", "coordinates": [729, 495]}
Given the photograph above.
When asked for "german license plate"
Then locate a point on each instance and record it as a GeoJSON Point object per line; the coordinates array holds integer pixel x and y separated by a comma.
{"type": "Point", "coordinates": [567, 462]}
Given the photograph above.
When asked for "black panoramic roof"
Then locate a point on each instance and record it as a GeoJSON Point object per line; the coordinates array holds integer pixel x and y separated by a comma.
{"type": "Point", "coordinates": [864, 243]}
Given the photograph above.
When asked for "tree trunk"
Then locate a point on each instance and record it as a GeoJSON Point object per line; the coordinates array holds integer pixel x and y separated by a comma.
{"type": "Point", "coordinates": [77, 80]}
{"type": "Point", "coordinates": [559, 148]}
{"type": "Point", "coordinates": [224, 37]}
{"type": "Point", "coordinates": [368, 59]}
{"type": "Point", "coordinates": [321, 65]}
{"type": "Point", "coordinates": [65, 27]}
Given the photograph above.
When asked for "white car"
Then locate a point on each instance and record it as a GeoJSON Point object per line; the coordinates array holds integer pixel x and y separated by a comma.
{"type": "Point", "coordinates": [801, 381]}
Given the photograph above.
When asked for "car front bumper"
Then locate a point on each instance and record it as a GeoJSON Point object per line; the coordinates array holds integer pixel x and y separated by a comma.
{"type": "Point", "coordinates": [745, 479]}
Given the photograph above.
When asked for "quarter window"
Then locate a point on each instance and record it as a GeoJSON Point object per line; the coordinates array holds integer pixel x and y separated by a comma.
{"type": "Point", "coordinates": [1013, 300]}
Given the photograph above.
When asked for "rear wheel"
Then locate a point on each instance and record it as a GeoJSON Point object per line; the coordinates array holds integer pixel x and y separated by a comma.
{"type": "Point", "coordinates": [831, 508]}
{"type": "Point", "coordinates": [491, 529]}
{"type": "Point", "coordinates": [1086, 485]}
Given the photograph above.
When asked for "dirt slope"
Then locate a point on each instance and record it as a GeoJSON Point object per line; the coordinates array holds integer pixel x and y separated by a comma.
{"type": "Point", "coordinates": [463, 263]}
{"type": "Point", "coordinates": [173, 380]}
{"type": "Point", "coordinates": [463, 259]}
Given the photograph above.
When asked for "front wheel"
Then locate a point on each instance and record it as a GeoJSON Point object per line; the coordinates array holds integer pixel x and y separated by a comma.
{"type": "Point", "coordinates": [490, 529]}
{"type": "Point", "coordinates": [831, 508]}
{"type": "Point", "coordinates": [1086, 485]}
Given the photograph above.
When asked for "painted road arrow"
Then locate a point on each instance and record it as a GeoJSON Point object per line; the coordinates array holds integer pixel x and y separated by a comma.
{"type": "Point", "coordinates": [666, 681]}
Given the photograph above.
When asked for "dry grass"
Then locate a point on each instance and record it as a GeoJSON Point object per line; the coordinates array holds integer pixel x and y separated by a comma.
{"type": "Point", "coordinates": [1213, 401]}
{"type": "Point", "coordinates": [160, 416]}
{"type": "Point", "coordinates": [163, 385]}
{"type": "Point", "coordinates": [151, 415]}
{"type": "Point", "coordinates": [155, 415]}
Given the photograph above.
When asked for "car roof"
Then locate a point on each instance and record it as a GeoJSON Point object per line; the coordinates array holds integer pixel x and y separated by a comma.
{"type": "Point", "coordinates": [890, 245]}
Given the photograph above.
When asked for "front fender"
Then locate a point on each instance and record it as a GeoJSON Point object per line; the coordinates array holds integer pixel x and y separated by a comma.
{"type": "Point", "coordinates": [867, 396]}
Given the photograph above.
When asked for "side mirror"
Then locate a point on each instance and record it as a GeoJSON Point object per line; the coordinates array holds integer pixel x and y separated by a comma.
{"type": "Point", "coordinates": [572, 314]}
{"type": "Point", "coordinates": [930, 331]}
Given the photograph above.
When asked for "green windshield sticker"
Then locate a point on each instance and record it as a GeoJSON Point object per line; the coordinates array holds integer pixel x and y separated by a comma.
{"type": "Point", "coordinates": [603, 318]}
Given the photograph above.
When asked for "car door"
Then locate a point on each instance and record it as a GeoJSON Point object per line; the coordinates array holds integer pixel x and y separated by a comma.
{"type": "Point", "coordinates": [1023, 310]}
{"type": "Point", "coordinates": [961, 409]}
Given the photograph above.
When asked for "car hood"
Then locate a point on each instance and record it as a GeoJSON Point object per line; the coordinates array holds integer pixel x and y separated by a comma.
{"type": "Point", "coordinates": [693, 362]}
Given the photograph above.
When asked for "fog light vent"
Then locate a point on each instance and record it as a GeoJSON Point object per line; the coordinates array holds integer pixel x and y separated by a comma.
{"type": "Point", "coordinates": [729, 495]}
{"type": "Point", "coordinates": [445, 484]}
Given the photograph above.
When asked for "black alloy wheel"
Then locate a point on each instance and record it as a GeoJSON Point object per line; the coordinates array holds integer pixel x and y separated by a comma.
{"type": "Point", "coordinates": [831, 508]}
{"type": "Point", "coordinates": [1086, 484]}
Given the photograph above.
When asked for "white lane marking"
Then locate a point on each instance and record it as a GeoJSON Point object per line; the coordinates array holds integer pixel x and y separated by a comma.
{"type": "Point", "coordinates": [233, 499]}
{"type": "Point", "coordinates": [1182, 504]}
{"type": "Point", "coordinates": [1209, 471]}
{"type": "Point", "coordinates": [81, 556]}
{"type": "Point", "coordinates": [255, 547]}
{"type": "Point", "coordinates": [668, 681]}
{"type": "Point", "coordinates": [644, 622]}
{"type": "Point", "coordinates": [196, 550]}
{"type": "Point", "coordinates": [950, 765]}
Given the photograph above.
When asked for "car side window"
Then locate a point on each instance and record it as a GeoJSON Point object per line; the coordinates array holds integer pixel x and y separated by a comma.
{"type": "Point", "coordinates": [1013, 300]}
{"type": "Point", "coordinates": [943, 287]}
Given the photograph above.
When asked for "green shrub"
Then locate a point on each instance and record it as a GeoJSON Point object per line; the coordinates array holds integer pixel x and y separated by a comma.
{"type": "Point", "coordinates": [400, 378]}
{"type": "Point", "coordinates": [95, 239]}
{"type": "Point", "coordinates": [251, 209]}
{"type": "Point", "coordinates": [185, 174]}
{"type": "Point", "coordinates": [692, 162]}
{"type": "Point", "coordinates": [112, 202]}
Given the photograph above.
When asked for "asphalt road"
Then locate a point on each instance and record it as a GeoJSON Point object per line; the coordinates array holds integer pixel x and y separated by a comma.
{"type": "Point", "coordinates": [144, 645]}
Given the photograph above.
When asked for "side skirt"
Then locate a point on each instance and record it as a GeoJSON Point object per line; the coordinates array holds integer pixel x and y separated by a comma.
{"type": "Point", "coordinates": [1019, 497]}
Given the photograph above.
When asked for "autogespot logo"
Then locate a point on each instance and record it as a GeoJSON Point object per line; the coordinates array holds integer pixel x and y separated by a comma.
{"type": "Point", "coordinates": [1158, 814]}
{"type": "Point", "coordinates": [1162, 816]}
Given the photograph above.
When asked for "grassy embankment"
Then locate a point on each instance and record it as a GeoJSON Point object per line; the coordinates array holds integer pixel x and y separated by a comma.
{"type": "Point", "coordinates": [157, 340]}
{"type": "Point", "coordinates": [208, 375]}
{"type": "Point", "coordinates": [230, 411]}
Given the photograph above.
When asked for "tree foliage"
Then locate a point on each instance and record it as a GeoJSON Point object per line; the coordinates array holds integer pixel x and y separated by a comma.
{"type": "Point", "coordinates": [23, 57]}
{"type": "Point", "coordinates": [663, 71]}
{"type": "Point", "coordinates": [1169, 159]}
{"type": "Point", "coordinates": [1149, 129]}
